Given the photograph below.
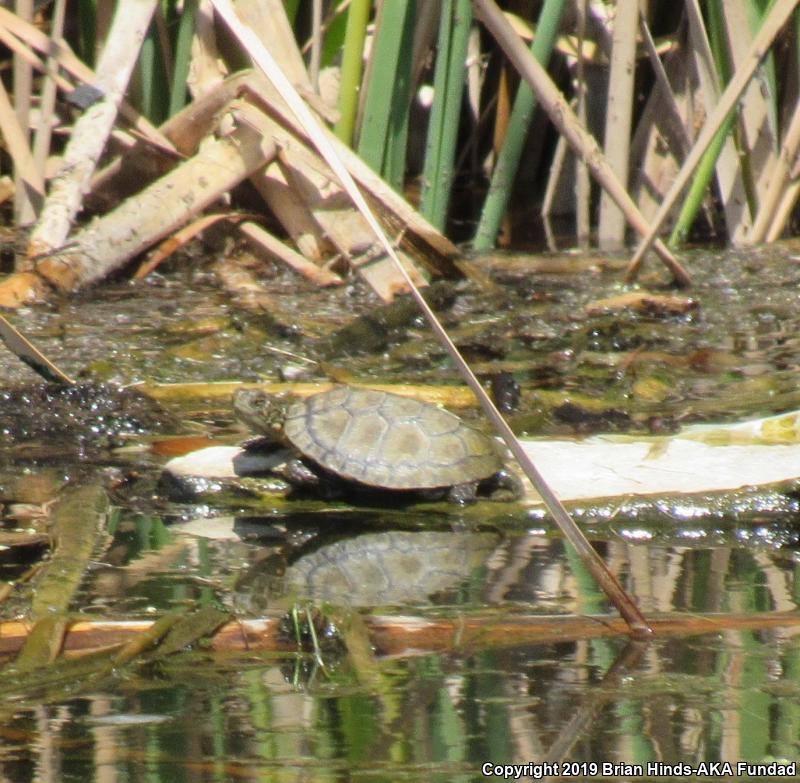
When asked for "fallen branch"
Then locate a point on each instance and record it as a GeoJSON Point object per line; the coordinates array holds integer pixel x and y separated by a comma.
{"type": "Point", "coordinates": [412, 635]}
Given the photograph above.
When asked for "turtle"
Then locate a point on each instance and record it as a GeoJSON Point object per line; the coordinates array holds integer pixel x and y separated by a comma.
{"type": "Point", "coordinates": [358, 438]}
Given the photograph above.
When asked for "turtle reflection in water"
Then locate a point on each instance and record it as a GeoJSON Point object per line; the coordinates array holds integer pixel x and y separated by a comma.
{"type": "Point", "coordinates": [354, 438]}
{"type": "Point", "coordinates": [397, 567]}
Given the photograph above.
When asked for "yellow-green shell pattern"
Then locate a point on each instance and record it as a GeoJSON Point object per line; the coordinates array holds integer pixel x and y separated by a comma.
{"type": "Point", "coordinates": [389, 441]}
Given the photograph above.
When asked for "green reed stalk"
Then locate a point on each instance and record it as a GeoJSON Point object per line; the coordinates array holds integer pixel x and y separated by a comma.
{"type": "Point", "coordinates": [524, 104]}
{"type": "Point", "coordinates": [384, 128]}
{"type": "Point", "coordinates": [87, 31]}
{"type": "Point", "coordinates": [183, 56]}
{"type": "Point", "coordinates": [448, 85]}
{"type": "Point", "coordinates": [352, 66]}
{"type": "Point", "coordinates": [152, 70]}
{"type": "Point", "coordinates": [693, 201]}
{"type": "Point", "coordinates": [700, 182]}
{"type": "Point", "coordinates": [291, 7]}
{"type": "Point", "coordinates": [335, 32]}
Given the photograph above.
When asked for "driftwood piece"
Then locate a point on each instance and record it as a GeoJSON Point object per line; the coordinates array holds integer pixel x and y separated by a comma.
{"type": "Point", "coordinates": [331, 208]}
{"type": "Point", "coordinates": [343, 225]}
{"type": "Point", "coordinates": [184, 130]}
{"type": "Point", "coordinates": [91, 132]}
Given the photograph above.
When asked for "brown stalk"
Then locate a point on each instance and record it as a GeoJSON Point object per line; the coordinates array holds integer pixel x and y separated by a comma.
{"type": "Point", "coordinates": [767, 220]}
{"type": "Point", "coordinates": [27, 176]}
{"type": "Point", "coordinates": [41, 142]}
{"type": "Point", "coordinates": [24, 207]}
{"type": "Point", "coordinates": [619, 118]}
{"type": "Point", "coordinates": [583, 183]}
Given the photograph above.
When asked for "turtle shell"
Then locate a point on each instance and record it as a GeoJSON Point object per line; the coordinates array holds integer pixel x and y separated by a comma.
{"type": "Point", "coordinates": [389, 441]}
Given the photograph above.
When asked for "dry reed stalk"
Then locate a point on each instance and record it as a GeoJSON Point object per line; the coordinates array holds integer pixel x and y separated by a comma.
{"type": "Point", "coordinates": [779, 197]}
{"type": "Point", "coordinates": [206, 69]}
{"type": "Point", "coordinates": [661, 139]}
{"type": "Point", "coordinates": [6, 187]}
{"type": "Point", "coordinates": [26, 173]}
{"type": "Point", "coordinates": [91, 131]}
{"type": "Point", "coordinates": [619, 117]}
{"type": "Point", "coordinates": [410, 636]}
{"type": "Point", "coordinates": [784, 211]}
{"type": "Point", "coordinates": [268, 21]}
{"type": "Point", "coordinates": [758, 140]}
{"type": "Point", "coordinates": [49, 91]}
{"type": "Point", "coordinates": [279, 250]}
{"type": "Point", "coordinates": [669, 103]}
{"type": "Point", "coordinates": [180, 238]}
{"type": "Point", "coordinates": [557, 168]}
{"type": "Point", "coordinates": [772, 25]}
{"type": "Point", "coordinates": [583, 184]}
{"type": "Point", "coordinates": [24, 209]}
{"type": "Point", "coordinates": [729, 173]}
{"type": "Point", "coordinates": [292, 212]}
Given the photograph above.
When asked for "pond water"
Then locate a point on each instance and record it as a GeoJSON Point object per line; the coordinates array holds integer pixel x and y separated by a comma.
{"type": "Point", "coordinates": [431, 698]}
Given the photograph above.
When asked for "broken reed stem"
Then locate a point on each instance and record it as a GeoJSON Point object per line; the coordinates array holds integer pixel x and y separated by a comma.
{"type": "Point", "coordinates": [24, 206]}
{"type": "Point", "coordinates": [619, 118]}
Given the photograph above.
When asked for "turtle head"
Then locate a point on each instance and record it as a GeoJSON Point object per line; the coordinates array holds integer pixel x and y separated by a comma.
{"type": "Point", "coordinates": [264, 413]}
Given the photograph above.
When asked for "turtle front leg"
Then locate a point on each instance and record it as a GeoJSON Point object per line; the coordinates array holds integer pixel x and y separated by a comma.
{"type": "Point", "coordinates": [505, 486]}
{"type": "Point", "coordinates": [463, 493]}
{"type": "Point", "coordinates": [306, 477]}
